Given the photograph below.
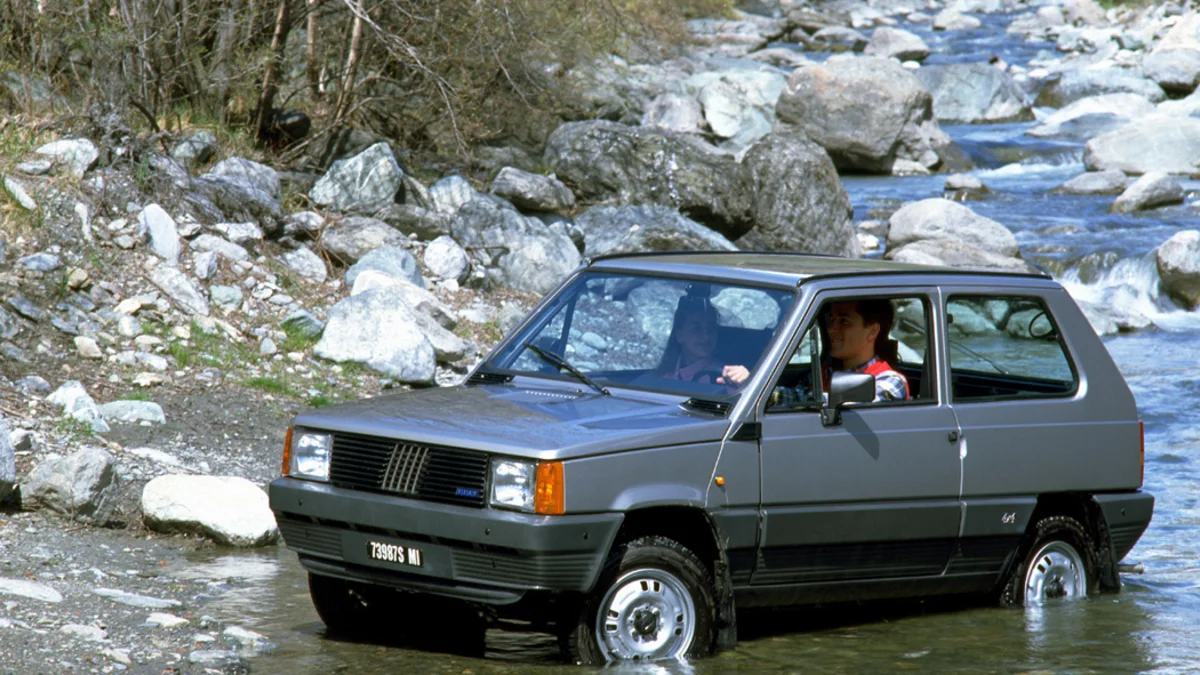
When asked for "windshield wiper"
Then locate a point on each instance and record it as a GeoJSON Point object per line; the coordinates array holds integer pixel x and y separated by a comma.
{"type": "Point", "coordinates": [562, 364]}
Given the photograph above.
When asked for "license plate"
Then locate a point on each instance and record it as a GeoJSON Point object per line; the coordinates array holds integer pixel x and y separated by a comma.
{"type": "Point", "coordinates": [395, 554]}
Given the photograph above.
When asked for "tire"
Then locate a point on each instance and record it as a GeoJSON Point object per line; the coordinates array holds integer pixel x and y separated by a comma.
{"type": "Point", "coordinates": [658, 599]}
{"type": "Point", "coordinates": [1057, 564]}
{"type": "Point", "coordinates": [345, 608]}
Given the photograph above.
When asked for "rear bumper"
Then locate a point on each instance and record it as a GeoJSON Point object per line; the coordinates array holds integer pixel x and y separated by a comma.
{"type": "Point", "coordinates": [1127, 515]}
{"type": "Point", "coordinates": [484, 555]}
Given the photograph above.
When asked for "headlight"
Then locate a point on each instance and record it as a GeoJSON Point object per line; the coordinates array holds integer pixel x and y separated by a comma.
{"type": "Point", "coordinates": [535, 487]}
{"type": "Point", "coordinates": [310, 455]}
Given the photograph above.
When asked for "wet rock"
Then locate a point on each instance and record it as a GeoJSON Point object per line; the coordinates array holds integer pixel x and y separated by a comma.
{"type": "Point", "coordinates": [1178, 262]}
{"type": "Point", "coordinates": [974, 93]}
{"type": "Point", "coordinates": [674, 112]}
{"type": "Point", "coordinates": [162, 231]}
{"type": "Point", "coordinates": [531, 191]}
{"type": "Point", "coordinates": [953, 19]}
{"type": "Point", "coordinates": [196, 149]}
{"type": "Point", "coordinates": [308, 265]}
{"type": "Point", "coordinates": [378, 329]}
{"type": "Point", "coordinates": [40, 262]}
{"type": "Point", "coordinates": [221, 660]}
{"type": "Point", "coordinates": [417, 298]}
{"type": "Point", "coordinates": [1151, 191]}
{"type": "Point", "coordinates": [392, 261]}
{"type": "Point", "coordinates": [225, 249]}
{"type": "Point", "coordinates": [942, 219]}
{"type": "Point", "coordinates": [1089, 117]}
{"type": "Point", "coordinates": [180, 289]}
{"type": "Point", "coordinates": [625, 229]}
{"type": "Point", "coordinates": [77, 154]}
{"type": "Point", "coordinates": [445, 259]}
{"type": "Point", "coordinates": [134, 600]}
{"type": "Point", "coordinates": [1154, 143]}
{"type": "Point", "coordinates": [133, 411]}
{"type": "Point", "coordinates": [954, 253]}
{"type": "Point", "coordinates": [247, 641]}
{"type": "Point", "coordinates": [357, 236]}
{"type": "Point", "coordinates": [77, 404]}
{"type": "Point", "coordinates": [889, 42]}
{"type": "Point", "coordinates": [165, 620]}
{"type": "Point", "coordinates": [87, 348]}
{"type": "Point", "coordinates": [607, 161]}
{"type": "Point", "coordinates": [303, 324]}
{"type": "Point", "coordinates": [364, 183]}
{"type": "Point", "coordinates": [866, 112]}
{"type": "Point", "coordinates": [30, 589]}
{"type": "Point", "coordinates": [1074, 85]}
{"type": "Point", "coordinates": [8, 465]}
{"type": "Point", "coordinates": [1110, 182]}
{"type": "Point", "coordinates": [82, 486]}
{"type": "Point", "coordinates": [18, 192]}
{"type": "Point", "coordinates": [450, 193]}
{"type": "Point", "coordinates": [518, 251]}
{"type": "Point", "coordinates": [228, 509]}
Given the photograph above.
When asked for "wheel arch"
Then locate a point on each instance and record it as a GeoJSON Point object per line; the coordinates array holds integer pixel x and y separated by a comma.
{"type": "Point", "coordinates": [1083, 508]}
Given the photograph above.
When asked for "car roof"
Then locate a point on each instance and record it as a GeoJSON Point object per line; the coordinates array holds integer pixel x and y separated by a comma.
{"type": "Point", "coordinates": [776, 267]}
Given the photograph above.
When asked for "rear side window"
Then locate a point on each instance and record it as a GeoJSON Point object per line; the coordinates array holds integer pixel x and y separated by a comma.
{"type": "Point", "coordinates": [1006, 347]}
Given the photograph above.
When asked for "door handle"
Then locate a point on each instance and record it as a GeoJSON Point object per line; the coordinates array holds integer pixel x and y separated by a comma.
{"type": "Point", "coordinates": [952, 436]}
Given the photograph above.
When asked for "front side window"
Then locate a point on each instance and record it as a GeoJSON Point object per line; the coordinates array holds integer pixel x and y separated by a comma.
{"type": "Point", "coordinates": [1005, 347]}
{"type": "Point", "coordinates": [676, 335]}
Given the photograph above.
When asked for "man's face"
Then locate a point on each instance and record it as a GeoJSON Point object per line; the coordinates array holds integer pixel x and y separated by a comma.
{"type": "Point", "coordinates": [850, 339]}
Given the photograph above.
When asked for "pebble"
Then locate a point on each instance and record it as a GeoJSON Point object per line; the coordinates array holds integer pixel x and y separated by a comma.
{"type": "Point", "coordinates": [134, 600]}
{"type": "Point", "coordinates": [148, 379]}
{"type": "Point", "coordinates": [87, 348]}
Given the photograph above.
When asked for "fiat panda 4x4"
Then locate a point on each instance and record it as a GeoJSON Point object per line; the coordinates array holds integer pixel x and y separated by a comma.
{"type": "Point", "coordinates": [604, 474]}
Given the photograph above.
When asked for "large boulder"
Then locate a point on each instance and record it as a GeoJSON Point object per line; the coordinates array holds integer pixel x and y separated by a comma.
{"type": "Point", "coordinates": [606, 161]}
{"type": "Point", "coordinates": [954, 253]}
{"type": "Point", "coordinates": [238, 197]}
{"type": "Point", "coordinates": [447, 347]}
{"type": "Point", "coordinates": [517, 251]}
{"type": "Point", "coordinates": [1076, 84]}
{"type": "Point", "coordinates": [258, 176]}
{"type": "Point", "coordinates": [531, 191]}
{"type": "Point", "coordinates": [227, 509]}
{"type": "Point", "coordinates": [738, 104]}
{"type": "Point", "coordinates": [362, 184]}
{"type": "Point", "coordinates": [974, 93]}
{"type": "Point", "coordinates": [633, 229]}
{"type": "Point", "coordinates": [1152, 190]}
{"type": "Point", "coordinates": [356, 236]}
{"type": "Point", "coordinates": [942, 219]}
{"type": "Point", "coordinates": [798, 201]}
{"type": "Point", "coordinates": [868, 113]}
{"type": "Point", "coordinates": [380, 330]}
{"type": "Point", "coordinates": [1185, 34]}
{"type": "Point", "coordinates": [1089, 117]}
{"type": "Point", "coordinates": [1178, 261]}
{"type": "Point", "coordinates": [393, 261]}
{"type": "Point", "coordinates": [1153, 143]}
{"type": "Point", "coordinates": [887, 42]}
{"type": "Point", "coordinates": [82, 486]}
{"type": "Point", "coordinates": [1177, 71]}
{"type": "Point", "coordinates": [1110, 182]}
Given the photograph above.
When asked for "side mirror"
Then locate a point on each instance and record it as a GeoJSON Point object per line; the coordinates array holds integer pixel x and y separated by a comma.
{"type": "Point", "coordinates": [846, 388]}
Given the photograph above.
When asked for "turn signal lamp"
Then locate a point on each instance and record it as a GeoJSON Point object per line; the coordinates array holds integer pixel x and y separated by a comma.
{"type": "Point", "coordinates": [549, 500]}
{"type": "Point", "coordinates": [287, 452]}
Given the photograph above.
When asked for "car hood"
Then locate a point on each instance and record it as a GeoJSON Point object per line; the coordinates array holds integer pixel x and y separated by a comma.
{"type": "Point", "coordinates": [540, 423]}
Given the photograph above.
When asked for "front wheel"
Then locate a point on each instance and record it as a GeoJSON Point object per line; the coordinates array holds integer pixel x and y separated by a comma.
{"type": "Point", "coordinates": [1059, 565]}
{"type": "Point", "coordinates": [654, 601]}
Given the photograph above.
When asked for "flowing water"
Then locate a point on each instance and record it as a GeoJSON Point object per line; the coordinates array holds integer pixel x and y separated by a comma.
{"type": "Point", "coordinates": [1153, 626]}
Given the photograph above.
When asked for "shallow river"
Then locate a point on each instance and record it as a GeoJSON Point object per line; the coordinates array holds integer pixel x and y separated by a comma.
{"type": "Point", "coordinates": [1153, 626]}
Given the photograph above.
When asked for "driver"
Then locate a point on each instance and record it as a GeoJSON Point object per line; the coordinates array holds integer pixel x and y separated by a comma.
{"type": "Point", "coordinates": [692, 344]}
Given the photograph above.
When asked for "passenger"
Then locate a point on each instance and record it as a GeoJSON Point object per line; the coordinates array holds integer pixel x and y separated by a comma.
{"type": "Point", "coordinates": [692, 345]}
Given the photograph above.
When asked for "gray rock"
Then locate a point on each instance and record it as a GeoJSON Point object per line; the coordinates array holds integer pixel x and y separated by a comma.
{"type": "Point", "coordinates": [625, 229]}
{"type": "Point", "coordinates": [134, 600]}
{"type": "Point", "coordinates": [1089, 117]}
{"type": "Point", "coordinates": [1177, 71]}
{"type": "Point", "coordinates": [1077, 84]}
{"type": "Point", "coordinates": [36, 167]}
{"type": "Point", "coordinates": [87, 348]}
{"type": "Point", "coordinates": [133, 411]}
{"type": "Point", "coordinates": [1178, 262]}
{"type": "Point", "coordinates": [447, 347]}
{"type": "Point", "coordinates": [258, 176]}
{"type": "Point", "coordinates": [380, 330]}
{"type": "Point", "coordinates": [974, 93]}
{"type": "Point", "coordinates": [450, 193]}
{"type": "Point", "coordinates": [531, 191]}
{"type": "Point", "coordinates": [26, 308]}
{"type": "Point", "coordinates": [82, 486]}
{"type": "Point", "coordinates": [227, 509]}
{"type": "Point", "coordinates": [445, 259]}
{"type": "Point", "coordinates": [867, 113]}
{"type": "Point", "coordinates": [247, 641]}
{"type": "Point", "coordinates": [426, 224]}
{"type": "Point", "coordinates": [40, 262]}
{"type": "Point", "coordinates": [1110, 182]}
{"type": "Point", "coordinates": [303, 224]}
{"type": "Point", "coordinates": [1154, 143]}
{"type": "Point", "coordinates": [603, 160]}
{"type": "Point", "coordinates": [267, 347]}
{"type": "Point", "coordinates": [953, 19]}
{"type": "Point", "coordinates": [33, 385]}
{"type": "Point", "coordinates": [964, 182]}
{"type": "Point", "coordinates": [30, 589]}
{"type": "Point", "coordinates": [357, 236]}
{"type": "Point", "coordinates": [364, 183]}
{"type": "Point", "coordinates": [226, 249]}
{"type": "Point", "coordinates": [1152, 190]}
{"type": "Point", "coordinates": [887, 42]}
{"type": "Point", "coordinates": [840, 36]}
{"type": "Point", "coordinates": [18, 192]}
{"type": "Point", "coordinates": [418, 299]}
{"type": "Point", "coordinates": [226, 297]}
{"type": "Point", "coordinates": [238, 199]}
{"type": "Point", "coordinates": [77, 154]}
{"type": "Point", "coordinates": [392, 261]}
{"type": "Point", "coordinates": [77, 404]}
{"type": "Point", "coordinates": [220, 660]}
{"type": "Point", "coordinates": [129, 327]}
{"type": "Point", "coordinates": [416, 194]}
{"type": "Point", "coordinates": [204, 264]}
{"type": "Point", "coordinates": [519, 252]}
{"type": "Point", "coordinates": [674, 112]}
{"type": "Point", "coordinates": [954, 253]}
{"type": "Point", "coordinates": [8, 462]}
{"type": "Point", "coordinates": [738, 103]}
{"type": "Point", "coordinates": [308, 265]}
{"type": "Point", "coordinates": [160, 227]}
{"type": "Point", "coordinates": [195, 150]}
{"type": "Point", "coordinates": [942, 219]}
{"type": "Point", "coordinates": [302, 323]}
{"type": "Point", "coordinates": [10, 325]}
{"type": "Point", "coordinates": [180, 289]}
{"type": "Point", "coordinates": [242, 234]}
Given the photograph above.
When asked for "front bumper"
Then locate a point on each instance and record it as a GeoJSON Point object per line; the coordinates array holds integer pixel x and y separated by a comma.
{"type": "Point", "coordinates": [481, 555]}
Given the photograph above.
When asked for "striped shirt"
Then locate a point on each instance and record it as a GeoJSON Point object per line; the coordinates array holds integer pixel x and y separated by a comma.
{"type": "Point", "coordinates": [889, 384]}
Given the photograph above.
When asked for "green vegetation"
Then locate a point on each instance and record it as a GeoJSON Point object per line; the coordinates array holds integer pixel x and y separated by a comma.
{"type": "Point", "coordinates": [320, 401]}
{"type": "Point", "coordinates": [135, 395]}
{"type": "Point", "coordinates": [271, 385]}
{"type": "Point", "coordinates": [76, 430]}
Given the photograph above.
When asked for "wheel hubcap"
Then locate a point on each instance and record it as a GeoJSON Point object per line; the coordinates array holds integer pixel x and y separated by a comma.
{"type": "Point", "coordinates": [1055, 573]}
{"type": "Point", "coordinates": [646, 615]}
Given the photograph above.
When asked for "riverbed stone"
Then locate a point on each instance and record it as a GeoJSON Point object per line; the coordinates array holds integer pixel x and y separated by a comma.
{"type": "Point", "coordinates": [32, 590]}
{"type": "Point", "coordinates": [1178, 262]}
{"type": "Point", "coordinates": [1151, 190]}
{"type": "Point", "coordinates": [450, 193]}
{"type": "Point", "coordinates": [356, 236]}
{"type": "Point", "coordinates": [134, 600]}
{"type": "Point", "coordinates": [393, 261]}
{"type": "Point", "coordinates": [974, 93]}
{"type": "Point", "coordinates": [81, 486]}
{"type": "Point", "coordinates": [364, 183]}
{"type": "Point", "coordinates": [1092, 116]}
{"type": "Point", "coordinates": [531, 191]}
{"type": "Point", "coordinates": [180, 289]}
{"type": "Point", "coordinates": [155, 223]}
{"type": "Point", "coordinates": [952, 18]}
{"type": "Point", "coordinates": [954, 253]}
{"type": "Point", "coordinates": [942, 219]}
{"type": "Point", "coordinates": [259, 176]}
{"type": "Point", "coordinates": [887, 42]}
{"type": "Point", "coordinates": [738, 103]}
{"type": "Point", "coordinates": [1153, 143]}
{"type": "Point", "coordinates": [1109, 182]}
{"type": "Point", "coordinates": [77, 154]}
{"type": "Point", "coordinates": [446, 259]}
{"type": "Point", "coordinates": [378, 329]}
{"type": "Point", "coordinates": [228, 509]}
{"type": "Point", "coordinates": [628, 229]}
{"type": "Point", "coordinates": [133, 411]}
{"type": "Point", "coordinates": [1082, 83]}
{"type": "Point", "coordinates": [1177, 71]}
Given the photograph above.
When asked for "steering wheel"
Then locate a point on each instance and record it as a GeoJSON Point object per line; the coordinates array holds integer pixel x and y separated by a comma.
{"type": "Point", "coordinates": [712, 373]}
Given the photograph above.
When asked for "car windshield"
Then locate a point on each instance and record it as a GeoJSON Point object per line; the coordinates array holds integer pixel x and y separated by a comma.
{"type": "Point", "coordinates": [675, 335]}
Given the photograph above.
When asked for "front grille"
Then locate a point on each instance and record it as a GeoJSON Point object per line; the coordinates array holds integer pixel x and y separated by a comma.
{"type": "Point", "coordinates": [427, 472]}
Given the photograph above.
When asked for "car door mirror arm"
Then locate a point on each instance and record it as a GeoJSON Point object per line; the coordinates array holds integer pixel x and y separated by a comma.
{"type": "Point", "coordinates": [846, 388]}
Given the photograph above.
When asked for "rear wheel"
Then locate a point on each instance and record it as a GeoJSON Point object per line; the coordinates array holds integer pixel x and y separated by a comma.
{"type": "Point", "coordinates": [1058, 565]}
{"type": "Point", "coordinates": [654, 601]}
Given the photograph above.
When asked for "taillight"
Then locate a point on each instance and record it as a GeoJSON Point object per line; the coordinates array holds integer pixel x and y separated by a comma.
{"type": "Point", "coordinates": [1142, 451]}
{"type": "Point", "coordinates": [549, 499]}
{"type": "Point", "coordinates": [287, 452]}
